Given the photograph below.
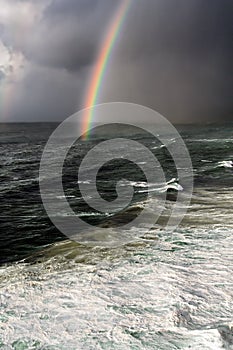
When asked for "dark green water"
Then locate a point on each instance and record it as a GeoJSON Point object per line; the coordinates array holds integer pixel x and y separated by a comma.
{"type": "Point", "coordinates": [164, 292]}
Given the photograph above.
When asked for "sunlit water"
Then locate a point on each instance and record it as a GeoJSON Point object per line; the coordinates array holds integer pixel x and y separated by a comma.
{"type": "Point", "coordinates": [162, 292]}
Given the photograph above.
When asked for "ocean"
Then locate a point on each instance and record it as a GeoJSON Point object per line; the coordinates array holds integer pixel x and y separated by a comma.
{"type": "Point", "coordinates": [160, 291]}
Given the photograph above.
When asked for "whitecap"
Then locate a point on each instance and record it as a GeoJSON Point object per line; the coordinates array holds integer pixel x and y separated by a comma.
{"type": "Point", "coordinates": [226, 164]}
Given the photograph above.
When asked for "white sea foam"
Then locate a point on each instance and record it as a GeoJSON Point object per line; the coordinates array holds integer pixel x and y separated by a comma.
{"type": "Point", "coordinates": [174, 292]}
{"type": "Point", "coordinates": [226, 164]}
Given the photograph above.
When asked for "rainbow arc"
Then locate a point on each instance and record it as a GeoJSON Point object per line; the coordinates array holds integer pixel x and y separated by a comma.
{"type": "Point", "coordinates": [102, 63]}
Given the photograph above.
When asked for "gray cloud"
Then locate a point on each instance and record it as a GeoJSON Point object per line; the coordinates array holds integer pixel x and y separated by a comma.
{"type": "Point", "coordinates": [69, 34]}
{"type": "Point", "coordinates": [175, 56]}
{"type": "Point", "coordinates": [2, 75]}
{"type": "Point", "coordinates": [46, 94]}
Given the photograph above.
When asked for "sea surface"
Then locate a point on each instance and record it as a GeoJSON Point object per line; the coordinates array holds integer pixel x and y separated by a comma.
{"type": "Point", "coordinates": [159, 291]}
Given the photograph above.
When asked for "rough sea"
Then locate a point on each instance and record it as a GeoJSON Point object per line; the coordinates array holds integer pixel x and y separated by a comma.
{"type": "Point", "coordinates": [160, 291]}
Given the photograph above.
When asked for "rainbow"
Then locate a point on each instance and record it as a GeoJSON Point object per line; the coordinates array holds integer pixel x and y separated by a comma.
{"type": "Point", "coordinates": [101, 64]}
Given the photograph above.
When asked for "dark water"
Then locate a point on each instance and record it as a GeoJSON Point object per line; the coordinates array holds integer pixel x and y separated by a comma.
{"type": "Point", "coordinates": [162, 293]}
{"type": "Point", "coordinates": [24, 223]}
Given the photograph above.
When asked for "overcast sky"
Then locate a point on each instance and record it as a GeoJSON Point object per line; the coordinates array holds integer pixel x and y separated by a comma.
{"type": "Point", "coordinates": [175, 56]}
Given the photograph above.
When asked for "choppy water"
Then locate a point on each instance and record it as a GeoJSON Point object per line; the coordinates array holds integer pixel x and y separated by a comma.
{"type": "Point", "coordinates": [161, 292]}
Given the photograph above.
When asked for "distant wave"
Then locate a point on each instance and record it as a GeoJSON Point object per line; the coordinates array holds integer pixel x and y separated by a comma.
{"type": "Point", "coordinates": [212, 140]}
{"type": "Point", "coordinates": [226, 164]}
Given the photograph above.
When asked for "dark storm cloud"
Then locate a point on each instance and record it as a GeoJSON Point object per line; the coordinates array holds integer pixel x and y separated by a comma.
{"type": "Point", "coordinates": [175, 56]}
{"type": "Point", "coordinates": [180, 26]}
{"type": "Point", "coordinates": [69, 33]}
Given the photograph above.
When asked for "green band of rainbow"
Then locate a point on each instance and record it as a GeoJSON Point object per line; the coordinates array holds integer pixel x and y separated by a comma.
{"type": "Point", "coordinates": [101, 65]}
